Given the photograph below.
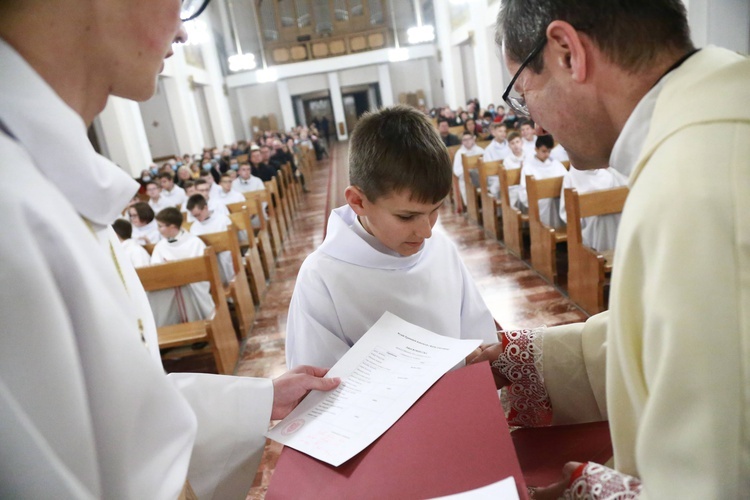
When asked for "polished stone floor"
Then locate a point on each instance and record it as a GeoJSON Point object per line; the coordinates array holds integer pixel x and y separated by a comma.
{"type": "Point", "coordinates": [515, 293]}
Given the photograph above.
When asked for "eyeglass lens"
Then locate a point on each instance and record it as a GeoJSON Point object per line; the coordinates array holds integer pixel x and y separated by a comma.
{"type": "Point", "coordinates": [191, 9]}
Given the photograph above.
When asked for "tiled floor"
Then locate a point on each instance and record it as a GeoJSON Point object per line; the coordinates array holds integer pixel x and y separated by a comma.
{"type": "Point", "coordinates": [515, 293]}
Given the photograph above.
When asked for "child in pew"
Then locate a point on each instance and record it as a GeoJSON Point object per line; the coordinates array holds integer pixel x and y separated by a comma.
{"type": "Point", "coordinates": [145, 229]}
{"type": "Point", "coordinates": [513, 161]}
{"type": "Point", "coordinates": [205, 222]}
{"type": "Point", "coordinates": [228, 194]}
{"type": "Point", "coordinates": [600, 231]}
{"type": "Point", "coordinates": [186, 303]}
{"type": "Point", "coordinates": [469, 148]}
{"type": "Point", "coordinates": [380, 252]}
{"type": "Point", "coordinates": [541, 166]}
{"type": "Point", "coordinates": [498, 149]}
{"type": "Point", "coordinates": [135, 252]}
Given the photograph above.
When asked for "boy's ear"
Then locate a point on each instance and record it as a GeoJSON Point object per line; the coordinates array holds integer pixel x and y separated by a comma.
{"type": "Point", "coordinates": [356, 199]}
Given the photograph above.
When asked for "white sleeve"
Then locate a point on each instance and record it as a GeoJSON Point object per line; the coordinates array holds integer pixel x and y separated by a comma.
{"type": "Point", "coordinates": [476, 319]}
{"type": "Point", "coordinates": [458, 166]}
{"type": "Point", "coordinates": [311, 325]}
{"type": "Point", "coordinates": [233, 415]}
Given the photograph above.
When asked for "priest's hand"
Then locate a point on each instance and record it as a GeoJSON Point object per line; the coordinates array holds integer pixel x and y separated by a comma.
{"type": "Point", "coordinates": [290, 388]}
{"type": "Point", "coordinates": [556, 490]}
{"type": "Point", "coordinates": [489, 352]}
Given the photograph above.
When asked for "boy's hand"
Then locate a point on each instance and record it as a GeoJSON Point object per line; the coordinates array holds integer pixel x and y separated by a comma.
{"type": "Point", "coordinates": [290, 388]}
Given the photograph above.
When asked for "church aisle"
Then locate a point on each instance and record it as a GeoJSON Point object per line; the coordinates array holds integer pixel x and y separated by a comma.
{"type": "Point", "coordinates": [517, 296]}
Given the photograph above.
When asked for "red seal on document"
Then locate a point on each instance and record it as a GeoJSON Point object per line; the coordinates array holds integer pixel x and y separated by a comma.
{"type": "Point", "coordinates": [293, 426]}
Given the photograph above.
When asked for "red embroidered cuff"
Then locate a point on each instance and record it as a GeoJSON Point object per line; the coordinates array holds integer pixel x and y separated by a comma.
{"type": "Point", "coordinates": [520, 362]}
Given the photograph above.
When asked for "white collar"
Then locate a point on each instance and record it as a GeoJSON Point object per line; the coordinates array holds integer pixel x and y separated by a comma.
{"type": "Point", "coordinates": [345, 242]}
{"type": "Point", "coordinates": [629, 144]}
{"type": "Point", "coordinates": [57, 141]}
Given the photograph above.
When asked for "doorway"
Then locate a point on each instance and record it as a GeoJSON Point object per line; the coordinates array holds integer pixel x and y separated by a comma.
{"type": "Point", "coordinates": [358, 100]}
{"type": "Point", "coordinates": [315, 107]}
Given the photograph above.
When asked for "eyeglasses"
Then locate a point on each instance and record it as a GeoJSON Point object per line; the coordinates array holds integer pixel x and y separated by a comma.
{"type": "Point", "coordinates": [518, 103]}
{"type": "Point", "coordinates": [191, 9]}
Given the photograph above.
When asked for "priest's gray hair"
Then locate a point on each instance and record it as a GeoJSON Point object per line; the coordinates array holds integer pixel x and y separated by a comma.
{"type": "Point", "coordinates": [630, 32]}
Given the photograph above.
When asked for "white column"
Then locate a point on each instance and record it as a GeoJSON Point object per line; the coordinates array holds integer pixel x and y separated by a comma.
{"type": "Point", "coordinates": [301, 112]}
{"type": "Point", "coordinates": [338, 106]}
{"type": "Point", "coordinates": [217, 100]}
{"type": "Point", "coordinates": [457, 79]}
{"type": "Point", "coordinates": [384, 80]}
{"type": "Point", "coordinates": [481, 46]}
{"type": "Point", "coordinates": [447, 70]}
{"type": "Point", "coordinates": [285, 100]}
{"type": "Point", "coordinates": [124, 135]}
{"type": "Point", "coordinates": [184, 114]}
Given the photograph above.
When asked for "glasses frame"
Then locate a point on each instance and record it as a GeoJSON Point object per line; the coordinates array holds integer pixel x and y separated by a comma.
{"type": "Point", "coordinates": [197, 12]}
{"type": "Point", "coordinates": [519, 104]}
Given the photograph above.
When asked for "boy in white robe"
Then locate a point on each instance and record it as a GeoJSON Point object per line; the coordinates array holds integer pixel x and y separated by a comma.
{"type": "Point", "coordinates": [529, 138]}
{"type": "Point", "coordinates": [246, 181]}
{"type": "Point", "coordinates": [207, 222]}
{"type": "Point", "coordinates": [207, 176]}
{"type": "Point", "coordinates": [498, 149]}
{"type": "Point", "coordinates": [380, 253]}
{"type": "Point", "coordinates": [204, 189]}
{"type": "Point", "coordinates": [185, 303]}
{"type": "Point", "coordinates": [172, 194]}
{"type": "Point", "coordinates": [541, 166]}
{"type": "Point", "coordinates": [145, 230]}
{"type": "Point", "coordinates": [137, 255]}
{"type": "Point", "coordinates": [155, 200]}
{"type": "Point", "coordinates": [227, 194]}
{"type": "Point", "coordinates": [513, 161]}
{"type": "Point", "coordinates": [468, 148]}
{"type": "Point", "coordinates": [599, 231]}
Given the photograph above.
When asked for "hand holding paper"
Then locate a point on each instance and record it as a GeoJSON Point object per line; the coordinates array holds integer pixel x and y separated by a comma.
{"type": "Point", "coordinates": [382, 375]}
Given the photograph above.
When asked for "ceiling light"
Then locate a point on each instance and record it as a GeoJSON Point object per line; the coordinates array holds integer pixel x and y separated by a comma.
{"type": "Point", "coordinates": [420, 34]}
{"type": "Point", "coordinates": [241, 62]}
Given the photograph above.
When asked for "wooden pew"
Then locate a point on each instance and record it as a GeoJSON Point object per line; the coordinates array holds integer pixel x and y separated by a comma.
{"type": "Point", "coordinates": [544, 239]}
{"type": "Point", "coordinates": [473, 196]}
{"type": "Point", "coordinates": [295, 191]}
{"type": "Point", "coordinates": [254, 209]}
{"type": "Point", "coordinates": [514, 221]}
{"type": "Point", "coordinates": [217, 330]}
{"type": "Point", "coordinates": [455, 196]}
{"type": "Point", "coordinates": [241, 221]}
{"type": "Point", "coordinates": [237, 288]}
{"type": "Point", "coordinates": [271, 225]}
{"type": "Point", "coordinates": [589, 270]}
{"type": "Point", "coordinates": [276, 211]}
{"type": "Point", "coordinates": [282, 189]}
{"type": "Point", "coordinates": [457, 130]}
{"type": "Point", "coordinates": [490, 205]}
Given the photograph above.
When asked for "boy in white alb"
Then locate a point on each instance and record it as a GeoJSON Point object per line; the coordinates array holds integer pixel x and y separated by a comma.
{"type": "Point", "coordinates": [380, 253]}
{"type": "Point", "coordinates": [227, 194]}
{"type": "Point", "coordinates": [145, 229]}
{"type": "Point", "coordinates": [155, 199]}
{"type": "Point", "coordinates": [600, 231]}
{"type": "Point", "coordinates": [204, 189]}
{"type": "Point", "coordinates": [246, 181]}
{"type": "Point", "coordinates": [513, 161]}
{"type": "Point", "coordinates": [172, 194]}
{"type": "Point", "coordinates": [541, 166]}
{"type": "Point", "coordinates": [529, 138]}
{"type": "Point", "coordinates": [498, 149]}
{"type": "Point", "coordinates": [185, 303]}
{"type": "Point", "coordinates": [207, 222]}
{"type": "Point", "coordinates": [137, 255]}
{"type": "Point", "coordinates": [468, 148]}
